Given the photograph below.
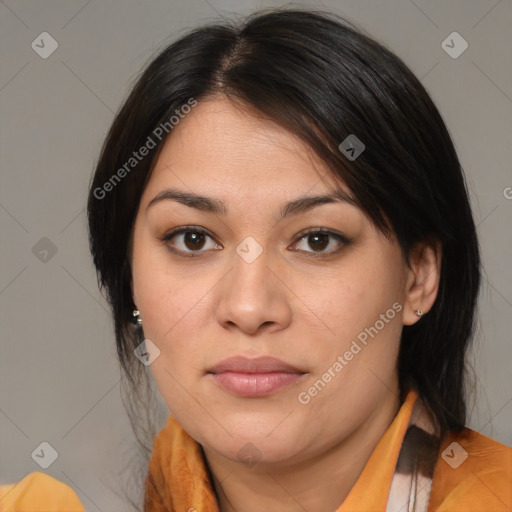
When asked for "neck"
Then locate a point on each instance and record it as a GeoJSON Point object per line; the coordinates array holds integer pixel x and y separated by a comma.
{"type": "Point", "coordinates": [320, 483]}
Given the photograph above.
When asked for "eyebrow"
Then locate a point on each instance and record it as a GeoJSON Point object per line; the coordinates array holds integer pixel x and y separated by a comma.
{"type": "Point", "coordinates": [211, 205]}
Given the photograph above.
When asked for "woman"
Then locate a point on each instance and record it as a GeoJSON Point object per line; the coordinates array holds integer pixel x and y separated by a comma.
{"type": "Point", "coordinates": [282, 226]}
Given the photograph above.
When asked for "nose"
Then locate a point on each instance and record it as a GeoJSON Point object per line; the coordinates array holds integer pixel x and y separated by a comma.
{"type": "Point", "coordinates": [252, 297]}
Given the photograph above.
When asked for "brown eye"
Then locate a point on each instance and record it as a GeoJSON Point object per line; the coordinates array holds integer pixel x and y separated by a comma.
{"type": "Point", "coordinates": [318, 242]}
{"type": "Point", "coordinates": [321, 242]}
{"type": "Point", "coordinates": [189, 241]}
{"type": "Point", "coordinates": [194, 241]}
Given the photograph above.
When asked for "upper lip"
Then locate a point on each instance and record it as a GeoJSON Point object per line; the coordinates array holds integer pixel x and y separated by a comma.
{"type": "Point", "coordinates": [253, 365]}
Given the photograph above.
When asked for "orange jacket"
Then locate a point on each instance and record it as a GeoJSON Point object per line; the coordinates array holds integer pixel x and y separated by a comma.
{"type": "Point", "coordinates": [481, 483]}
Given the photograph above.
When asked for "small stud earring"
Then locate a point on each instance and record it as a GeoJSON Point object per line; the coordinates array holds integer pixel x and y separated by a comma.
{"type": "Point", "coordinates": [418, 313]}
{"type": "Point", "coordinates": [136, 317]}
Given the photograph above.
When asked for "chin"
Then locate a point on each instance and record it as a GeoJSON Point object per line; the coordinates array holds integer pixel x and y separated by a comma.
{"type": "Point", "coordinates": [252, 447]}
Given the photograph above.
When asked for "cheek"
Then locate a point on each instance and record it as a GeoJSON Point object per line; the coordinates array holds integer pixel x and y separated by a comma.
{"type": "Point", "coordinates": [172, 315]}
{"type": "Point", "coordinates": [362, 307]}
{"type": "Point", "coordinates": [165, 295]}
{"type": "Point", "coordinates": [356, 297]}
{"type": "Point", "coordinates": [173, 319]}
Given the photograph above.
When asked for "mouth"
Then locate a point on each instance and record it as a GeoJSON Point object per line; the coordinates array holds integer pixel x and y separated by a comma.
{"type": "Point", "coordinates": [257, 377]}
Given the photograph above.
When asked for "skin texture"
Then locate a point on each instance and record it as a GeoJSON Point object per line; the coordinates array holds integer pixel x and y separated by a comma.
{"type": "Point", "coordinates": [288, 304]}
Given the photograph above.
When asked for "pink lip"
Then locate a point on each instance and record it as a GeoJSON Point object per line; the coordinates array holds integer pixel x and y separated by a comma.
{"type": "Point", "coordinates": [255, 384]}
{"type": "Point", "coordinates": [262, 364]}
{"type": "Point", "coordinates": [254, 377]}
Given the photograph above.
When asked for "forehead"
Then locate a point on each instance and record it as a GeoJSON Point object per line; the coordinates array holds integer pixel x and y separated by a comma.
{"type": "Point", "coordinates": [223, 147]}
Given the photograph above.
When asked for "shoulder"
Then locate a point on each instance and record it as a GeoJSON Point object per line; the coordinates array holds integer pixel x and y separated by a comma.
{"type": "Point", "coordinates": [473, 474]}
{"type": "Point", "coordinates": [39, 491]}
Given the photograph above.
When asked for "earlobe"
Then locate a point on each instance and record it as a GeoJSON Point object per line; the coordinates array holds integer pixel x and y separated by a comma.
{"type": "Point", "coordinates": [422, 281]}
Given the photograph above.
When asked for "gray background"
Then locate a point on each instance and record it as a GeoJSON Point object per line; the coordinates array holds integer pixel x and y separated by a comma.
{"type": "Point", "coordinates": [59, 380]}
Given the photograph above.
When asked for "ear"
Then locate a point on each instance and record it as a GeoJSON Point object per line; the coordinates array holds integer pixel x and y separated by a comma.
{"type": "Point", "coordinates": [422, 280]}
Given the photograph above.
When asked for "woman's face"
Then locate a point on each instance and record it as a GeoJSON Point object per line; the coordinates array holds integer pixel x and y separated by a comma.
{"type": "Point", "coordinates": [247, 276]}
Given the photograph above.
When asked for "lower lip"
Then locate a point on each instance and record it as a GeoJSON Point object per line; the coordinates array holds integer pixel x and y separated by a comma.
{"type": "Point", "coordinates": [255, 384]}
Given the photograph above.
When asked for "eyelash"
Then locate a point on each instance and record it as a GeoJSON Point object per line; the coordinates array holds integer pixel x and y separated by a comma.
{"type": "Point", "coordinates": [343, 240]}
